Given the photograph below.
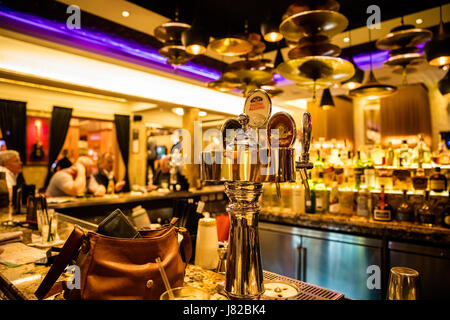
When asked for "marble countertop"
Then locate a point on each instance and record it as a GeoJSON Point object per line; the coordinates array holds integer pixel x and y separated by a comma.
{"type": "Point", "coordinates": [71, 202]}
{"type": "Point", "coordinates": [393, 230]}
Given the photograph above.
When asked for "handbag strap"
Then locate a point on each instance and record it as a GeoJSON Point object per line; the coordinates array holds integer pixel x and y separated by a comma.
{"type": "Point", "coordinates": [186, 243]}
{"type": "Point", "coordinates": [67, 253]}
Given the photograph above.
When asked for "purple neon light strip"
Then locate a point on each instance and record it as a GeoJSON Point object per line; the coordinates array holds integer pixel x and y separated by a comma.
{"type": "Point", "coordinates": [378, 58]}
{"type": "Point", "coordinates": [106, 41]}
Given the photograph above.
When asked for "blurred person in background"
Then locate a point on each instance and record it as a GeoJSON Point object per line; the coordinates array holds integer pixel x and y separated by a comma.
{"type": "Point", "coordinates": [72, 181]}
{"type": "Point", "coordinates": [64, 162]}
{"type": "Point", "coordinates": [12, 166]}
{"type": "Point", "coordinates": [104, 177]}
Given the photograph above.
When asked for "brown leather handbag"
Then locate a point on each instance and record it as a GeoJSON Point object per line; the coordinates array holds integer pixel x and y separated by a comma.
{"type": "Point", "coordinates": [118, 268]}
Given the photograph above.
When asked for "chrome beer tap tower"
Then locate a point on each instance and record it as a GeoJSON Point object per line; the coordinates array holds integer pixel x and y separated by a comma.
{"type": "Point", "coordinates": [257, 149]}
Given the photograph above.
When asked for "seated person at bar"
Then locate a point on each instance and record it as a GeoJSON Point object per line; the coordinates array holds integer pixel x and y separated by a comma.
{"type": "Point", "coordinates": [105, 172]}
{"type": "Point", "coordinates": [71, 181]}
{"type": "Point", "coordinates": [12, 166]}
{"type": "Point", "coordinates": [64, 162]}
{"type": "Point", "coordinates": [162, 175]}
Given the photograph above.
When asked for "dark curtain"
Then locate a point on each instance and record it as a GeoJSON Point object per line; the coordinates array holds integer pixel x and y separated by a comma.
{"type": "Point", "coordinates": [13, 122]}
{"type": "Point", "coordinates": [59, 126]}
{"type": "Point", "coordinates": [123, 138]}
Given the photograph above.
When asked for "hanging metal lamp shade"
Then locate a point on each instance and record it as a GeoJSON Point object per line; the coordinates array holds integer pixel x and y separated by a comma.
{"type": "Point", "coordinates": [437, 50]}
{"type": "Point", "coordinates": [372, 89]}
{"type": "Point", "coordinates": [357, 79]}
{"type": "Point", "coordinates": [195, 40]}
{"type": "Point", "coordinates": [270, 31]}
{"type": "Point", "coordinates": [327, 100]}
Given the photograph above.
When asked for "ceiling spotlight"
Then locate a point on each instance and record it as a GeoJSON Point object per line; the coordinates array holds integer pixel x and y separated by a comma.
{"type": "Point", "coordinates": [178, 111]}
{"type": "Point", "coordinates": [419, 21]}
{"type": "Point", "coordinates": [270, 31]}
{"type": "Point", "coordinates": [195, 40]}
{"type": "Point", "coordinates": [202, 113]}
{"type": "Point", "coordinates": [346, 39]}
{"type": "Point", "coordinates": [125, 14]}
{"type": "Point", "coordinates": [327, 100]}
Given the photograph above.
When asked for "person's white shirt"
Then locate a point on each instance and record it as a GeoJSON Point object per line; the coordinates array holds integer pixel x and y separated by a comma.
{"type": "Point", "coordinates": [11, 178]}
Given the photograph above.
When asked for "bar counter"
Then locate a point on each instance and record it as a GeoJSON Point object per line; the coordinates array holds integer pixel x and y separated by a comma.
{"type": "Point", "coordinates": [20, 283]}
{"type": "Point", "coordinates": [355, 225]}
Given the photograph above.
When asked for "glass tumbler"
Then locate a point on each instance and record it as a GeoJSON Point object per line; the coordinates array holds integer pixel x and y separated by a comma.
{"type": "Point", "coordinates": [403, 284]}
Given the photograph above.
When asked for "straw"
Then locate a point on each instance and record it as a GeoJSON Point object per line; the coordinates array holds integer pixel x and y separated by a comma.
{"type": "Point", "coordinates": [164, 277]}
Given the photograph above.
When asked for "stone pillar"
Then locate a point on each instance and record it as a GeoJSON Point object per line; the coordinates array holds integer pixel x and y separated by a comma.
{"type": "Point", "coordinates": [191, 171]}
{"type": "Point", "coordinates": [440, 113]}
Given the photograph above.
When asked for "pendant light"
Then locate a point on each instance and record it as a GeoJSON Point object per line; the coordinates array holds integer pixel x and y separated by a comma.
{"type": "Point", "coordinates": [372, 89]}
{"type": "Point", "coordinates": [358, 77]}
{"type": "Point", "coordinates": [438, 49]}
{"type": "Point", "coordinates": [444, 85]}
{"type": "Point", "coordinates": [195, 39]}
{"type": "Point", "coordinates": [327, 100]}
{"type": "Point", "coordinates": [270, 28]}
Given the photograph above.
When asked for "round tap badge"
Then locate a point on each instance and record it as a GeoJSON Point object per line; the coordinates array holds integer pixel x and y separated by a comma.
{"type": "Point", "coordinates": [258, 107]}
{"type": "Point", "coordinates": [285, 124]}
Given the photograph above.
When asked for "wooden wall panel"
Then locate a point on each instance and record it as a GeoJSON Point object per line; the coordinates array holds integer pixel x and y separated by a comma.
{"type": "Point", "coordinates": [406, 112]}
{"type": "Point", "coordinates": [335, 123]}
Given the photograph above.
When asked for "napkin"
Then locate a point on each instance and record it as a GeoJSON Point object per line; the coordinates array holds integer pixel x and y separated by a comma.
{"type": "Point", "coordinates": [9, 237]}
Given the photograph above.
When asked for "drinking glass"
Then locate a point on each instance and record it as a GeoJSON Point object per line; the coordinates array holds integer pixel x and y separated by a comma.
{"type": "Point", "coordinates": [403, 284]}
{"type": "Point", "coordinates": [47, 225]}
{"type": "Point", "coordinates": [185, 293]}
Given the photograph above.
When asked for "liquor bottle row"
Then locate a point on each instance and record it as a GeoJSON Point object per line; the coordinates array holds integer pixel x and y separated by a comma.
{"type": "Point", "coordinates": [414, 153]}
{"type": "Point", "coordinates": [373, 206]}
{"type": "Point", "coordinates": [357, 174]}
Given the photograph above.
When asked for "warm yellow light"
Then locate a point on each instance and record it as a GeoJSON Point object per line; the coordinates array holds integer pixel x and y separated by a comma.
{"type": "Point", "coordinates": [325, 107]}
{"type": "Point", "coordinates": [125, 14]}
{"type": "Point", "coordinates": [441, 61]}
{"type": "Point", "coordinates": [273, 36]}
{"type": "Point", "coordinates": [195, 49]}
{"type": "Point", "coordinates": [178, 111]}
{"type": "Point", "coordinates": [351, 85]}
{"type": "Point", "coordinates": [69, 91]}
{"type": "Point", "coordinates": [419, 21]}
{"type": "Point", "coordinates": [31, 60]}
{"type": "Point", "coordinates": [346, 39]}
{"type": "Point", "coordinates": [202, 113]}
{"type": "Point", "coordinates": [37, 123]}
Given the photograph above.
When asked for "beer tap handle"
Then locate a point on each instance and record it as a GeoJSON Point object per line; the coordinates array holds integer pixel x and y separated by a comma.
{"type": "Point", "coordinates": [303, 164]}
{"type": "Point", "coordinates": [306, 136]}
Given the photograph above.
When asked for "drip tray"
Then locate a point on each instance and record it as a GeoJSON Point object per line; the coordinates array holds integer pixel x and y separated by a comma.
{"type": "Point", "coordinates": [306, 291]}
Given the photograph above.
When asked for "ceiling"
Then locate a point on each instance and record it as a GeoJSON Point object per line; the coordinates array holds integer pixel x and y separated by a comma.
{"type": "Point", "coordinates": [221, 17]}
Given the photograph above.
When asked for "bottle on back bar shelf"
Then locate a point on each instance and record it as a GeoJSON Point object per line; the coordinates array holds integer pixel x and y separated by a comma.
{"type": "Point", "coordinates": [438, 182]}
{"type": "Point", "coordinates": [404, 155]}
{"type": "Point", "coordinates": [298, 196]}
{"type": "Point", "coordinates": [362, 201]}
{"type": "Point", "coordinates": [446, 214]}
{"type": "Point", "coordinates": [425, 215]}
{"type": "Point", "coordinates": [420, 181]}
{"type": "Point", "coordinates": [390, 156]}
{"type": "Point", "coordinates": [286, 199]}
{"type": "Point", "coordinates": [319, 165]}
{"type": "Point", "coordinates": [369, 173]}
{"type": "Point", "coordinates": [383, 210]}
{"type": "Point", "coordinates": [310, 205]}
{"type": "Point", "coordinates": [358, 170]}
{"type": "Point", "coordinates": [321, 195]}
{"type": "Point", "coordinates": [405, 211]}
